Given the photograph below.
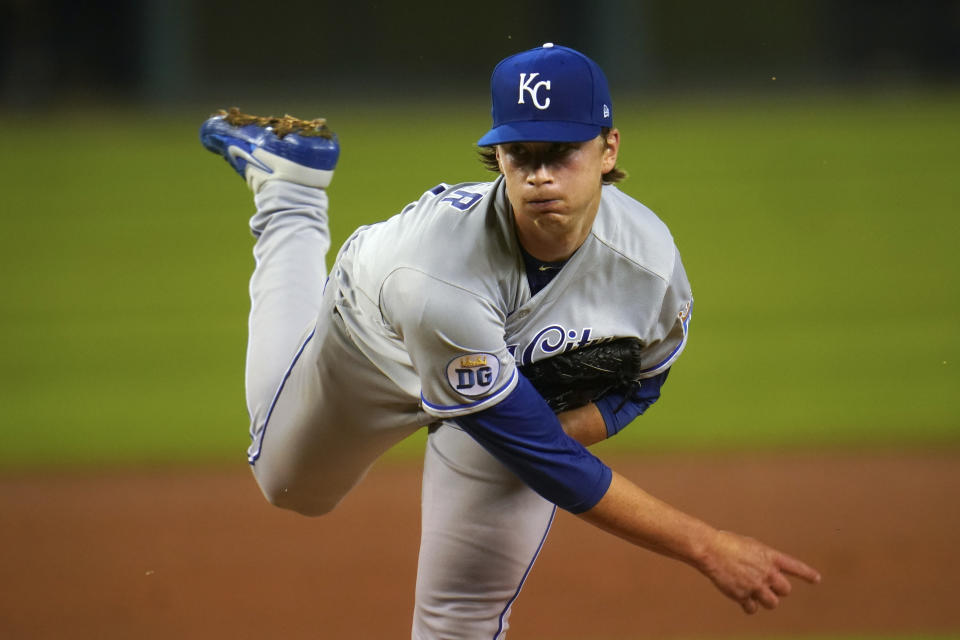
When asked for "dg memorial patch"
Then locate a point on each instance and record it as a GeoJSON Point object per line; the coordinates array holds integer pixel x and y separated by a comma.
{"type": "Point", "coordinates": [473, 374]}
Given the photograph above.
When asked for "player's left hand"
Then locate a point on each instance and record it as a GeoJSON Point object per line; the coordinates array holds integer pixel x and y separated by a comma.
{"type": "Point", "coordinates": [751, 573]}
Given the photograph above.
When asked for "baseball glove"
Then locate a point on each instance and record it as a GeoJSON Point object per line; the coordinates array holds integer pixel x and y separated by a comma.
{"type": "Point", "coordinates": [575, 378]}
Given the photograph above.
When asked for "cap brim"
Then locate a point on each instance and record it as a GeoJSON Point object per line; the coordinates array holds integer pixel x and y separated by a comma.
{"type": "Point", "coordinates": [539, 131]}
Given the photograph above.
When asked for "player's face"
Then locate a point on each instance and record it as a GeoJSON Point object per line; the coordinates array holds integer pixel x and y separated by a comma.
{"type": "Point", "coordinates": [554, 188]}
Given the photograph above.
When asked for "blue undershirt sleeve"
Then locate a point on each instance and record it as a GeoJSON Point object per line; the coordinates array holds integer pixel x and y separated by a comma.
{"type": "Point", "coordinates": [524, 434]}
{"type": "Point", "coordinates": [619, 410]}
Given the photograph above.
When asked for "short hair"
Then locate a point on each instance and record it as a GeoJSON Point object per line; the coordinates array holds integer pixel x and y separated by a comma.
{"type": "Point", "coordinates": [488, 158]}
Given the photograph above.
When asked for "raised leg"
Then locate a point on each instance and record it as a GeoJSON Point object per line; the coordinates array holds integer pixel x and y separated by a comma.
{"type": "Point", "coordinates": [320, 413]}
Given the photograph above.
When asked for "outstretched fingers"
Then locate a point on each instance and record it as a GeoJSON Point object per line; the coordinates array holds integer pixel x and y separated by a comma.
{"type": "Point", "coordinates": [780, 585]}
{"type": "Point", "coordinates": [776, 585]}
{"type": "Point", "coordinates": [767, 597]}
{"type": "Point", "coordinates": [752, 573]}
{"type": "Point", "coordinates": [794, 567]}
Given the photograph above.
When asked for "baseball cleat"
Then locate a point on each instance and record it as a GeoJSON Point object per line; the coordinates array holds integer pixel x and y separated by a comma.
{"type": "Point", "coordinates": [260, 149]}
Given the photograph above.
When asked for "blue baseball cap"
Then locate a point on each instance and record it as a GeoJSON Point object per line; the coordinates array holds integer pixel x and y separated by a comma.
{"type": "Point", "coordinates": [548, 94]}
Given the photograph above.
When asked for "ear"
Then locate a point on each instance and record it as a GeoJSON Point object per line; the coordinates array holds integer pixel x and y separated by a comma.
{"type": "Point", "coordinates": [610, 151]}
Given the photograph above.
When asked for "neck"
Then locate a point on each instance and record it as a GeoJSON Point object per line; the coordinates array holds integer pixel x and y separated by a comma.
{"type": "Point", "coordinates": [552, 243]}
{"type": "Point", "coordinates": [548, 251]}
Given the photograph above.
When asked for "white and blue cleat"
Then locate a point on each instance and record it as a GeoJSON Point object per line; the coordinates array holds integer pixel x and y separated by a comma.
{"type": "Point", "coordinates": [302, 152]}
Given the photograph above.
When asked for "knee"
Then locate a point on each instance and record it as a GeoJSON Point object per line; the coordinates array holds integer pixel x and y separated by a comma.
{"type": "Point", "coordinates": [305, 502]}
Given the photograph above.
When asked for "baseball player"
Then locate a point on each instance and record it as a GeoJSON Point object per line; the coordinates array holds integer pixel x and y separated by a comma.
{"type": "Point", "coordinates": [430, 318]}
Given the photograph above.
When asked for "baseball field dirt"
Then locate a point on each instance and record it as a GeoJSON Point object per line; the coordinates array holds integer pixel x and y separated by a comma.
{"type": "Point", "coordinates": [187, 553]}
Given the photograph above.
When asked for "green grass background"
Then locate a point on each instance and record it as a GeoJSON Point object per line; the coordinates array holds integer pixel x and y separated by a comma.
{"type": "Point", "coordinates": [820, 235]}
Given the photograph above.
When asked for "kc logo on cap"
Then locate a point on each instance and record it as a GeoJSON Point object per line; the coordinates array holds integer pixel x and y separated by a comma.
{"type": "Point", "coordinates": [548, 94]}
{"type": "Point", "coordinates": [525, 81]}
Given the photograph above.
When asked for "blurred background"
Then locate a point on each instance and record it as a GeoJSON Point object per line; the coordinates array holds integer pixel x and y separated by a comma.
{"type": "Point", "coordinates": [174, 52]}
{"type": "Point", "coordinates": [804, 153]}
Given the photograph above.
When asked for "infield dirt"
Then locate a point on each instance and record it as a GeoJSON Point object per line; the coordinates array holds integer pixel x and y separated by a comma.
{"type": "Point", "coordinates": [188, 553]}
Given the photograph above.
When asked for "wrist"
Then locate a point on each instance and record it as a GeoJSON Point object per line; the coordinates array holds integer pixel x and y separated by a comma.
{"type": "Point", "coordinates": [584, 424]}
{"type": "Point", "coordinates": [701, 546]}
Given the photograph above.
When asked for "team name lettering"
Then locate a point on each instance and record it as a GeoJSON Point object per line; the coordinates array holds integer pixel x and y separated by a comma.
{"type": "Point", "coordinates": [534, 90]}
{"type": "Point", "coordinates": [552, 340]}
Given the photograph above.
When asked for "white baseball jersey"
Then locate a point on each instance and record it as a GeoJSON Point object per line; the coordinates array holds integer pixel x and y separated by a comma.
{"type": "Point", "coordinates": [437, 298]}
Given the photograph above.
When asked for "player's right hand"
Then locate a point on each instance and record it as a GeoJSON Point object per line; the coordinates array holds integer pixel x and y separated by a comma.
{"type": "Point", "coordinates": [751, 573]}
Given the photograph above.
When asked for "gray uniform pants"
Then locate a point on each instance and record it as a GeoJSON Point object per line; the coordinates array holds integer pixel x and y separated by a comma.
{"type": "Point", "coordinates": [321, 415]}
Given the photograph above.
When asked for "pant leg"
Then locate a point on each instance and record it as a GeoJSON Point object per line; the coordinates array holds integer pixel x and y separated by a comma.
{"type": "Point", "coordinates": [481, 531]}
{"type": "Point", "coordinates": [287, 284]}
{"type": "Point", "coordinates": [320, 412]}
